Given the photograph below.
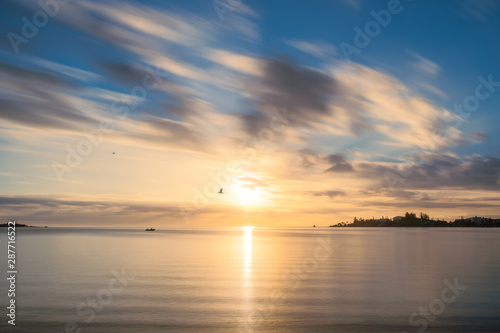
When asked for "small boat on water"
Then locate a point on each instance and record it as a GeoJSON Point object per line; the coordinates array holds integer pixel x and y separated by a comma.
{"type": "Point", "coordinates": [151, 229]}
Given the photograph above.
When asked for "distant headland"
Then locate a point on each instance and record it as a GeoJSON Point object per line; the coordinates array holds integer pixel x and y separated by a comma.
{"type": "Point", "coordinates": [423, 220]}
{"type": "Point", "coordinates": [20, 225]}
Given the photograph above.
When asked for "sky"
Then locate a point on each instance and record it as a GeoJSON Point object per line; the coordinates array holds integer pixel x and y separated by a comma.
{"type": "Point", "coordinates": [136, 113]}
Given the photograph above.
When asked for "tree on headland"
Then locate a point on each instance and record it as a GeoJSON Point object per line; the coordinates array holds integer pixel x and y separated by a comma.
{"type": "Point", "coordinates": [424, 216]}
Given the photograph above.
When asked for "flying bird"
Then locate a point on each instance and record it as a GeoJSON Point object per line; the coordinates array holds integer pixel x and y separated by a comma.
{"type": "Point", "coordinates": [220, 191]}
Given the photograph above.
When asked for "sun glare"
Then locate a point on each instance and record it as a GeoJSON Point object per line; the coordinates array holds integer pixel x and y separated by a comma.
{"type": "Point", "coordinates": [247, 229]}
{"type": "Point", "coordinates": [247, 196]}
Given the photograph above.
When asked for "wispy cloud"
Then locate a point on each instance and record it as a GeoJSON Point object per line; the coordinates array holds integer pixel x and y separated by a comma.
{"type": "Point", "coordinates": [481, 10]}
{"type": "Point", "coordinates": [321, 50]}
{"type": "Point", "coordinates": [339, 163]}
{"type": "Point", "coordinates": [424, 65]}
{"type": "Point", "coordinates": [331, 194]}
{"type": "Point", "coordinates": [355, 4]}
{"type": "Point", "coordinates": [240, 63]}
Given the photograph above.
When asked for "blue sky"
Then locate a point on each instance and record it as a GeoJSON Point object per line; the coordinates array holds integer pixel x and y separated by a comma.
{"type": "Point", "coordinates": [376, 133]}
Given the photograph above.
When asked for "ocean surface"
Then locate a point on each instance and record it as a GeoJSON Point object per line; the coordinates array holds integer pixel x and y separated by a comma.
{"type": "Point", "coordinates": [254, 280]}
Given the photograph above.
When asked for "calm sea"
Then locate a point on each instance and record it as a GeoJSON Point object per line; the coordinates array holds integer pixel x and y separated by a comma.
{"type": "Point", "coordinates": [255, 280]}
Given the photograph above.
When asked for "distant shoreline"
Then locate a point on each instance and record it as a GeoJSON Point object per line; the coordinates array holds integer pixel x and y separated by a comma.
{"type": "Point", "coordinates": [22, 225]}
{"type": "Point", "coordinates": [421, 221]}
{"type": "Point", "coordinates": [416, 226]}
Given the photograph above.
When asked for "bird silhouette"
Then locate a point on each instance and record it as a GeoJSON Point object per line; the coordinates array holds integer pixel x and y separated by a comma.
{"type": "Point", "coordinates": [220, 191]}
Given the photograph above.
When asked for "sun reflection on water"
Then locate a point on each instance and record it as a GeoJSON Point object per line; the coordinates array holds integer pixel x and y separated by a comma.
{"type": "Point", "coordinates": [247, 265]}
{"type": "Point", "coordinates": [247, 253]}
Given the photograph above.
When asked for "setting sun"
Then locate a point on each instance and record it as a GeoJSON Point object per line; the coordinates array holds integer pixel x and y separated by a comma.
{"type": "Point", "coordinates": [247, 196]}
{"type": "Point", "coordinates": [247, 229]}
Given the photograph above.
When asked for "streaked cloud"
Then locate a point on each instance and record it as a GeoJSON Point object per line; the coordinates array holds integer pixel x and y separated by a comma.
{"type": "Point", "coordinates": [224, 85]}
{"type": "Point", "coordinates": [320, 50]}
{"type": "Point", "coordinates": [339, 163]}
{"type": "Point", "coordinates": [424, 65]}
{"type": "Point", "coordinates": [330, 194]}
